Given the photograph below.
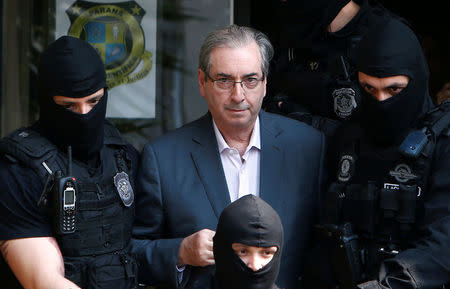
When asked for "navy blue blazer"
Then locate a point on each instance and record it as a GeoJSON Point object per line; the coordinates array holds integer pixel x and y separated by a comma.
{"type": "Point", "coordinates": [182, 189]}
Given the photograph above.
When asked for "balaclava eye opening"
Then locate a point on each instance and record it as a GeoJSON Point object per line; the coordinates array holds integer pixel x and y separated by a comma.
{"type": "Point", "coordinates": [391, 48]}
{"type": "Point", "coordinates": [71, 67]}
{"type": "Point", "coordinates": [252, 222]}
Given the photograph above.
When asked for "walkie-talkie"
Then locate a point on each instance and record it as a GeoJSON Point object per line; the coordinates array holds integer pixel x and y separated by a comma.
{"type": "Point", "coordinates": [64, 196]}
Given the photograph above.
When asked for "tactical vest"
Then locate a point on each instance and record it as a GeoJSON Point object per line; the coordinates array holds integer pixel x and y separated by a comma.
{"type": "Point", "coordinates": [96, 254]}
{"type": "Point", "coordinates": [368, 222]}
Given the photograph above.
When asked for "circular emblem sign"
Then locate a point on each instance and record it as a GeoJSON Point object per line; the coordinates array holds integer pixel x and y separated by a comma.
{"type": "Point", "coordinates": [114, 30]}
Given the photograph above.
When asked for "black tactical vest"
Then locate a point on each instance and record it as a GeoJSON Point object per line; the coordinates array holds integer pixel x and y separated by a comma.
{"type": "Point", "coordinates": [96, 254]}
{"type": "Point", "coordinates": [373, 209]}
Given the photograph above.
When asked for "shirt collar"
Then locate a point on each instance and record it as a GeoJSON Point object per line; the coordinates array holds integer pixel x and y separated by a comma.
{"type": "Point", "coordinates": [255, 138]}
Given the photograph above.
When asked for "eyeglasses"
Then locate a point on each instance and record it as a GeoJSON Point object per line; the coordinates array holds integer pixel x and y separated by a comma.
{"type": "Point", "coordinates": [227, 84]}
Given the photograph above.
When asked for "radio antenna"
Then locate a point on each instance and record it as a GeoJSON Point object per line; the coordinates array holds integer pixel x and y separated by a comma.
{"type": "Point", "coordinates": [69, 164]}
{"type": "Point", "coordinates": [344, 66]}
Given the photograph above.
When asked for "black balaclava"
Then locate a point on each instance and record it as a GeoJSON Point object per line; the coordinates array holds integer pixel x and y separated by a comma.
{"type": "Point", "coordinates": [391, 48]}
{"type": "Point", "coordinates": [250, 221]}
{"type": "Point", "coordinates": [71, 67]}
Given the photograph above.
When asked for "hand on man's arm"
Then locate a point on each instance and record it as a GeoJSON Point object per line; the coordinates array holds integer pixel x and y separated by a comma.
{"type": "Point", "coordinates": [36, 262]}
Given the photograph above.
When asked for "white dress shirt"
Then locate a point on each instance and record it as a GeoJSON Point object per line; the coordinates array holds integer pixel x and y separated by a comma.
{"type": "Point", "coordinates": [241, 173]}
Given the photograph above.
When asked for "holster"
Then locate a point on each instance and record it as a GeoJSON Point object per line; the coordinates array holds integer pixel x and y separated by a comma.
{"type": "Point", "coordinates": [346, 254]}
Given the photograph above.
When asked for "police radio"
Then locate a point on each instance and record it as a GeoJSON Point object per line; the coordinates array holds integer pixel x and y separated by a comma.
{"type": "Point", "coordinates": [64, 196]}
{"type": "Point", "coordinates": [414, 143]}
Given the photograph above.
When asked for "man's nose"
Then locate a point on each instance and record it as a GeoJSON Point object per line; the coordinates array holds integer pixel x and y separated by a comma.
{"type": "Point", "coordinates": [254, 262]}
{"type": "Point", "coordinates": [82, 108]}
{"type": "Point", "coordinates": [237, 93]}
{"type": "Point", "coordinates": [380, 96]}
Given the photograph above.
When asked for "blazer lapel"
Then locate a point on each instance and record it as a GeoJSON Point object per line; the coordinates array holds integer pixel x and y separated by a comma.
{"type": "Point", "coordinates": [207, 161]}
{"type": "Point", "coordinates": [272, 162]}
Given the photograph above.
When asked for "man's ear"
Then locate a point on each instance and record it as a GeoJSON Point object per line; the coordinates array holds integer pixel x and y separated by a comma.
{"type": "Point", "coordinates": [201, 81]}
{"type": "Point", "coordinates": [265, 86]}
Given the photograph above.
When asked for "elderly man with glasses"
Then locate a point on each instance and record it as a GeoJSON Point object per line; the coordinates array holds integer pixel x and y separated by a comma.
{"type": "Point", "coordinates": [190, 175]}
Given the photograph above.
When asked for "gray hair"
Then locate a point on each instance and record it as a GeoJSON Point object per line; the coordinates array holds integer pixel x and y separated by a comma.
{"type": "Point", "coordinates": [235, 36]}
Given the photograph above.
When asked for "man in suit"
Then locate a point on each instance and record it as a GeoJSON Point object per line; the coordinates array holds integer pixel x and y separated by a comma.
{"type": "Point", "coordinates": [190, 175]}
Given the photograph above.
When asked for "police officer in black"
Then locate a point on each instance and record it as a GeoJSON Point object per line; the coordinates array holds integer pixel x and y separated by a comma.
{"type": "Point", "coordinates": [314, 78]}
{"type": "Point", "coordinates": [66, 183]}
{"type": "Point", "coordinates": [385, 218]}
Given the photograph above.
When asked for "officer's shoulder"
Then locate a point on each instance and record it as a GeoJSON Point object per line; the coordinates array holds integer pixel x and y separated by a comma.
{"type": "Point", "coordinates": [11, 160]}
{"type": "Point", "coordinates": [25, 144]}
{"type": "Point", "coordinates": [443, 143]}
{"type": "Point", "coordinates": [22, 133]}
{"type": "Point", "coordinates": [13, 167]}
{"type": "Point", "coordinates": [437, 120]}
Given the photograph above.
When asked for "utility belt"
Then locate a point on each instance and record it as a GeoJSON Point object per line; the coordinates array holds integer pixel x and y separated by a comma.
{"type": "Point", "coordinates": [113, 270]}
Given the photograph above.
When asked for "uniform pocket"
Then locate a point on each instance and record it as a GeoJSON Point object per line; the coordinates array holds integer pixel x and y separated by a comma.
{"type": "Point", "coordinates": [113, 271]}
{"type": "Point", "coordinates": [75, 271]}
